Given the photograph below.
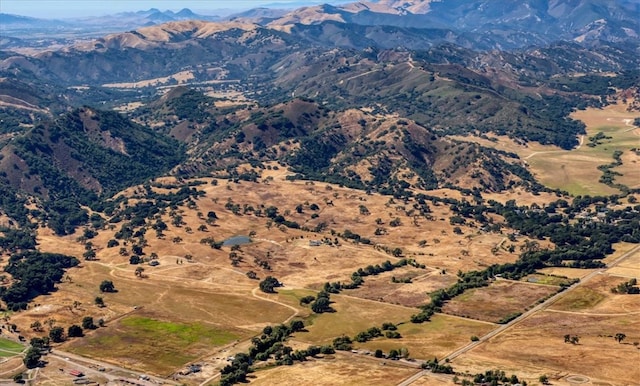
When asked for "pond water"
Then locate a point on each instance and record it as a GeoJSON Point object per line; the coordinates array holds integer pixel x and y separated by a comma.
{"type": "Point", "coordinates": [236, 240]}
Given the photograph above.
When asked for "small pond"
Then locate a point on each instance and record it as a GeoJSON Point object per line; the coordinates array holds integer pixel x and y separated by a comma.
{"type": "Point", "coordinates": [236, 240]}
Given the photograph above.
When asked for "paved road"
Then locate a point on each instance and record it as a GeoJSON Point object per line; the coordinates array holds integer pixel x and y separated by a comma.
{"type": "Point", "coordinates": [527, 314]}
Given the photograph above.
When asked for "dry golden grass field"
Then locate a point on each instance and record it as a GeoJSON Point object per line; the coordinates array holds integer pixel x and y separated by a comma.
{"type": "Point", "coordinates": [197, 305]}
{"type": "Point", "coordinates": [437, 338]}
{"type": "Point", "coordinates": [343, 369]}
{"type": "Point", "coordinates": [578, 173]}
{"type": "Point", "coordinates": [499, 300]}
{"type": "Point", "coordinates": [196, 288]}
{"type": "Point", "coordinates": [596, 298]}
{"type": "Point", "coordinates": [536, 346]}
{"type": "Point", "coordinates": [352, 316]}
{"type": "Point", "coordinates": [381, 287]}
{"type": "Point", "coordinates": [628, 268]}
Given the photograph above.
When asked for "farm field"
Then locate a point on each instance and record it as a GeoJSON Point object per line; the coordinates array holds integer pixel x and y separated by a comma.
{"type": "Point", "coordinates": [629, 268]}
{"type": "Point", "coordinates": [9, 348]}
{"type": "Point", "coordinates": [382, 288]}
{"type": "Point", "coordinates": [595, 297]}
{"type": "Point", "coordinates": [147, 343]}
{"type": "Point", "coordinates": [342, 369]}
{"type": "Point", "coordinates": [352, 316]}
{"type": "Point", "coordinates": [497, 301]}
{"type": "Point", "coordinates": [436, 338]}
{"type": "Point", "coordinates": [536, 347]}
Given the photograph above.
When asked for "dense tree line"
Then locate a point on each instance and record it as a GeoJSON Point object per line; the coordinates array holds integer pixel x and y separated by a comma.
{"type": "Point", "coordinates": [269, 345]}
{"type": "Point", "coordinates": [357, 277]}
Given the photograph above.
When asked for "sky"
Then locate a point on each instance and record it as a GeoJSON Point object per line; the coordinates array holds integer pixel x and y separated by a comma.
{"type": "Point", "coordinates": [79, 8]}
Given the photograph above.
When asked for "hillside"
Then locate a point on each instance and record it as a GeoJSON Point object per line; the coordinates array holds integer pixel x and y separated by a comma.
{"type": "Point", "coordinates": [81, 156]}
{"type": "Point", "coordinates": [384, 193]}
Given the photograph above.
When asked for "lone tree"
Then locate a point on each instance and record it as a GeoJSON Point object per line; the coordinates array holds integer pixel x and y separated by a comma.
{"type": "Point", "coordinates": [36, 326]}
{"type": "Point", "coordinates": [99, 301]}
{"type": "Point", "coordinates": [75, 331]}
{"type": "Point", "coordinates": [619, 337]}
{"type": "Point", "coordinates": [107, 286]}
{"type": "Point", "coordinates": [269, 284]}
{"type": "Point", "coordinates": [56, 334]}
{"type": "Point", "coordinates": [87, 323]}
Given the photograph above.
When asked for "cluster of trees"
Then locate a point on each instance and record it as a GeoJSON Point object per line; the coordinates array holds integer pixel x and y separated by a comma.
{"type": "Point", "coordinates": [272, 213]}
{"type": "Point", "coordinates": [148, 154]}
{"type": "Point", "coordinates": [320, 303]}
{"type": "Point", "coordinates": [33, 354]}
{"type": "Point", "coordinates": [370, 334]}
{"type": "Point", "coordinates": [14, 240]}
{"type": "Point", "coordinates": [269, 284]}
{"type": "Point", "coordinates": [609, 175]}
{"type": "Point", "coordinates": [12, 203]}
{"type": "Point", "coordinates": [436, 367]}
{"type": "Point", "coordinates": [628, 287]}
{"type": "Point", "coordinates": [495, 377]}
{"type": "Point", "coordinates": [573, 339]}
{"type": "Point", "coordinates": [389, 330]}
{"type": "Point", "coordinates": [342, 343]}
{"type": "Point", "coordinates": [582, 242]}
{"type": "Point", "coordinates": [34, 273]}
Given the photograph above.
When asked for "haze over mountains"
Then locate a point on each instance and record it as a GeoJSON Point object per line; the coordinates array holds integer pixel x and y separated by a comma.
{"type": "Point", "coordinates": [442, 67]}
{"type": "Point", "coordinates": [507, 24]}
{"type": "Point", "coordinates": [477, 147]}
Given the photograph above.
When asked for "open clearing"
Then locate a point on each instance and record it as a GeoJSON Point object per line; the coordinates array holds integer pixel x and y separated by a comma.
{"type": "Point", "coordinates": [342, 369]}
{"type": "Point", "coordinates": [595, 297]}
{"type": "Point", "coordinates": [536, 346]}
{"type": "Point", "coordinates": [352, 316]}
{"type": "Point", "coordinates": [382, 288]}
{"type": "Point", "coordinates": [500, 299]}
{"type": "Point", "coordinates": [436, 338]}
{"type": "Point", "coordinates": [576, 170]}
{"type": "Point", "coordinates": [629, 268]}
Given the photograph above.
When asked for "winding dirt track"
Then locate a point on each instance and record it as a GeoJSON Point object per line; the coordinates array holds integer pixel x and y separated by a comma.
{"type": "Point", "coordinates": [556, 151]}
{"type": "Point", "coordinates": [295, 310]}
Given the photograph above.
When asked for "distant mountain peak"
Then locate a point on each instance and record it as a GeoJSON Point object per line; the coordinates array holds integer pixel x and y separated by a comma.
{"type": "Point", "coordinates": [185, 12]}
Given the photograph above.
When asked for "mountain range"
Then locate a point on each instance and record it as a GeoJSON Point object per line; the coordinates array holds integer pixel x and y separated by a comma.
{"type": "Point", "coordinates": [368, 95]}
{"type": "Point", "coordinates": [507, 24]}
